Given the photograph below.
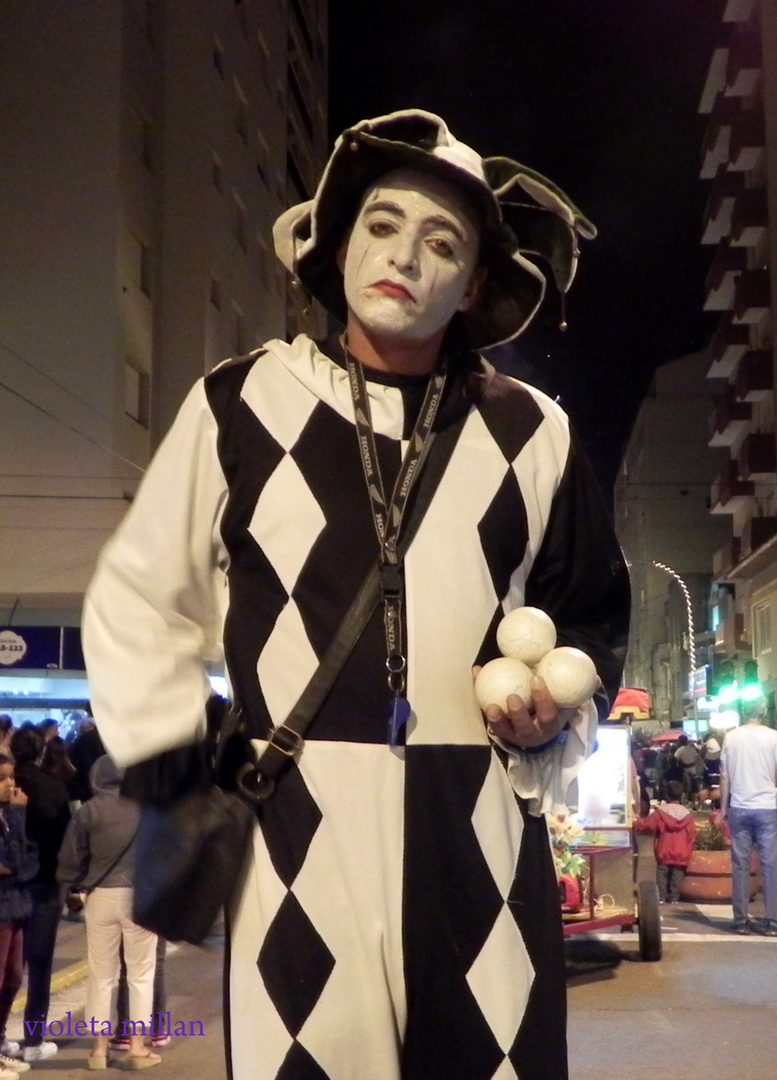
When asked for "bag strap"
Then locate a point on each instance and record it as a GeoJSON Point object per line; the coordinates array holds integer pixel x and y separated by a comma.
{"type": "Point", "coordinates": [114, 864]}
{"type": "Point", "coordinates": [257, 780]}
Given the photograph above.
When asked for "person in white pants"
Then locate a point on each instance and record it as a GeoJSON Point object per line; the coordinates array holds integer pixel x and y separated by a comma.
{"type": "Point", "coordinates": [96, 854]}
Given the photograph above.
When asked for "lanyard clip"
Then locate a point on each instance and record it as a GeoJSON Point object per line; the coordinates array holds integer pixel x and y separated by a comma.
{"type": "Point", "coordinates": [390, 578]}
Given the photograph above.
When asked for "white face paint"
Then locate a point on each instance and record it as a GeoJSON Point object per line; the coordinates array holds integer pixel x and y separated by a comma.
{"type": "Point", "coordinates": [410, 258]}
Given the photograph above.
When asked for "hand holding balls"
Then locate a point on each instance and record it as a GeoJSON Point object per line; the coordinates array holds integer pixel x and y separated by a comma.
{"type": "Point", "coordinates": [499, 678]}
{"type": "Point", "coordinates": [526, 637]}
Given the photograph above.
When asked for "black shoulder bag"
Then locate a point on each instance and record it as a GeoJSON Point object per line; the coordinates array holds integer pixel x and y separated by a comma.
{"type": "Point", "coordinates": [194, 835]}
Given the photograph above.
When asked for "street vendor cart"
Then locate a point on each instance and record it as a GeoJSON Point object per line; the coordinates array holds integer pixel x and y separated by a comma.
{"type": "Point", "coordinates": [602, 890]}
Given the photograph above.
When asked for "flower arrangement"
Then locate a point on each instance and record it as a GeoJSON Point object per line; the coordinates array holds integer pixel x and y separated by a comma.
{"type": "Point", "coordinates": [710, 837]}
{"type": "Point", "coordinates": [563, 832]}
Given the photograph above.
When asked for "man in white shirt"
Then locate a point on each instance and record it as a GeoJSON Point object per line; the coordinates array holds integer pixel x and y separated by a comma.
{"type": "Point", "coordinates": [748, 799]}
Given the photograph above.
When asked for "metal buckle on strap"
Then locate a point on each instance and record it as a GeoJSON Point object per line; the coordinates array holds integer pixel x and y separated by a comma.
{"type": "Point", "coordinates": [285, 740]}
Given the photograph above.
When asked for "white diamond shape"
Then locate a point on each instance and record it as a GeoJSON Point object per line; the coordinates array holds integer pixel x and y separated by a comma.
{"type": "Point", "coordinates": [501, 856]}
{"type": "Point", "coordinates": [278, 399]}
{"type": "Point", "coordinates": [506, 1071]}
{"type": "Point", "coordinates": [286, 521]}
{"type": "Point", "coordinates": [285, 664]}
{"type": "Point", "coordinates": [504, 962]}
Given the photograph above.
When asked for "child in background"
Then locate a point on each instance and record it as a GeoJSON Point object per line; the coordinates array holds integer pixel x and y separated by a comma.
{"type": "Point", "coordinates": [673, 827]}
{"type": "Point", "coordinates": [18, 863]}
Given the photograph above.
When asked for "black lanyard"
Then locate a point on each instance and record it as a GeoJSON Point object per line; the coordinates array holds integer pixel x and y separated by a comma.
{"type": "Point", "coordinates": [387, 517]}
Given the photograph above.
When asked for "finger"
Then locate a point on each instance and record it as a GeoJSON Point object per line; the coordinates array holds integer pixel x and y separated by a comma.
{"type": "Point", "coordinates": [545, 707]}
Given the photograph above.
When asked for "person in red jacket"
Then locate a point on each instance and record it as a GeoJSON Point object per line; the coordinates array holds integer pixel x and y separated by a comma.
{"type": "Point", "coordinates": [674, 830]}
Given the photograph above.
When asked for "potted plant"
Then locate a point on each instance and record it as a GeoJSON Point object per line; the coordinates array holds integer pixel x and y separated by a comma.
{"type": "Point", "coordinates": [708, 879]}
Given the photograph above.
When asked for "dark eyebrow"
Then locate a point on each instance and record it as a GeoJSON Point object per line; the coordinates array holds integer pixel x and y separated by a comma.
{"type": "Point", "coordinates": [385, 206]}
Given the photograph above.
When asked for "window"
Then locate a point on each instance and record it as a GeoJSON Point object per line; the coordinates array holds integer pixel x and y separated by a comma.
{"type": "Point", "coordinates": [217, 174]}
{"type": "Point", "coordinates": [241, 114]}
{"type": "Point", "coordinates": [239, 223]}
{"type": "Point", "coordinates": [140, 138]}
{"type": "Point", "coordinates": [136, 392]}
{"type": "Point", "coordinates": [762, 628]}
{"type": "Point", "coordinates": [145, 281]}
{"type": "Point", "coordinates": [218, 57]}
{"type": "Point", "coordinates": [141, 265]}
{"type": "Point", "coordinates": [239, 339]}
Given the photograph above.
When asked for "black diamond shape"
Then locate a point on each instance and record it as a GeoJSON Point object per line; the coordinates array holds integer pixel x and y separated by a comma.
{"type": "Point", "coordinates": [289, 823]}
{"type": "Point", "coordinates": [511, 415]}
{"type": "Point", "coordinates": [294, 963]}
{"type": "Point", "coordinates": [504, 533]}
{"type": "Point", "coordinates": [299, 1065]}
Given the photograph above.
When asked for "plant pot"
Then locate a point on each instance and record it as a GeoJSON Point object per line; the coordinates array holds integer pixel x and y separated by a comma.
{"type": "Point", "coordinates": [708, 879]}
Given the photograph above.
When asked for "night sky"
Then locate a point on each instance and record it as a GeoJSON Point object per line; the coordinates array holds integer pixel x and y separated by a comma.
{"type": "Point", "coordinates": [602, 97]}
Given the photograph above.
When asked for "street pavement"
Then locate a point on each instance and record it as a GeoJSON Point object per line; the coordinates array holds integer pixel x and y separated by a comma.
{"type": "Point", "coordinates": [708, 1008]}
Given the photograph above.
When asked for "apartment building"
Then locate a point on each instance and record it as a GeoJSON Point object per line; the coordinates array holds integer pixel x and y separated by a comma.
{"type": "Point", "coordinates": [662, 519]}
{"type": "Point", "coordinates": [739, 157]}
{"type": "Point", "coordinates": [147, 147]}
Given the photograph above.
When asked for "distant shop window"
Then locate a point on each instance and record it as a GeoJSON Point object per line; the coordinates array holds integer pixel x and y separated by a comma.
{"type": "Point", "coordinates": [762, 628]}
{"type": "Point", "coordinates": [136, 393]}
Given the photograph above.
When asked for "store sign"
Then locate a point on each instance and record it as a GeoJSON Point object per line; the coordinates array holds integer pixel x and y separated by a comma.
{"type": "Point", "coordinates": [13, 648]}
{"type": "Point", "coordinates": [41, 647]}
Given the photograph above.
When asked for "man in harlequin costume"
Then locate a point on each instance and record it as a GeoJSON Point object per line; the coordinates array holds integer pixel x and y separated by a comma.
{"type": "Point", "coordinates": [400, 917]}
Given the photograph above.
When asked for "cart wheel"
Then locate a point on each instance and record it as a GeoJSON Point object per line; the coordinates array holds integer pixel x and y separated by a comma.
{"type": "Point", "coordinates": [649, 921]}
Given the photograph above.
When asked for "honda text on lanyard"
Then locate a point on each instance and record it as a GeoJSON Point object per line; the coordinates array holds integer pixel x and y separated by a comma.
{"type": "Point", "coordinates": [387, 518]}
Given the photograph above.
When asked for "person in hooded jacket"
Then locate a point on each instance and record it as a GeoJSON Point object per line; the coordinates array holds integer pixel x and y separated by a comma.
{"type": "Point", "coordinates": [674, 829]}
{"type": "Point", "coordinates": [97, 855]}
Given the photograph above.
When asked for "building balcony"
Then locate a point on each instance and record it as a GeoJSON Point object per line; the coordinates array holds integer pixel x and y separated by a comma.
{"type": "Point", "coordinates": [720, 206]}
{"type": "Point", "coordinates": [744, 64]}
{"type": "Point", "coordinates": [754, 379]}
{"type": "Point", "coordinates": [749, 218]}
{"type": "Point", "coordinates": [721, 281]}
{"type": "Point", "coordinates": [730, 635]}
{"type": "Point", "coordinates": [729, 420]}
{"type": "Point", "coordinates": [738, 11]}
{"type": "Point", "coordinates": [729, 344]}
{"type": "Point", "coordinates": [729, 493]}
{"type": "Point", "coordinates": [715, 83]}
{"type": "Point", "coordinates": [757, 458]}
{"type": "Point", "coordinates": [757, 532]}
{"type": "Point", "coordinates": [752, 295]}
{"type": "Point", "coordinates": [724, 560]}
{"type": "Point", "coordinates": [747, 140]}
{"type": "Point", "coordinates": [715, 148]}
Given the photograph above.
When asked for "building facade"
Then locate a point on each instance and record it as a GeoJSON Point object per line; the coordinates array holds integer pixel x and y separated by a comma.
{"type": "Point", "coordinates": [662, 517]}
{"type": "Point", "coordinates": [147, 147]}
{"type": "Point", "coordinates": [739, 157]}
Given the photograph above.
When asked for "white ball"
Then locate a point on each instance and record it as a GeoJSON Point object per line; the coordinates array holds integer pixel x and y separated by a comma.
{"type": "Point", "coordinates": [501, 677]}
{"type": "Point", "coordinates": [569, 675]}
{"type": "Point", "coordinates": [527, 634]}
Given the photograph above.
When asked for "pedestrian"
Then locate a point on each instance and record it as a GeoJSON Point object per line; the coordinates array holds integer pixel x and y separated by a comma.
{"type": "Point", "coordinates": [6, 731]}
{"type": "Point", "coordinates": [159, 1037]}
{"type": "Point", "coordinates": [689, 759]}
{"type": "Point", "coordinates": [86, 748]}
{"type": "Point", "coordinates": [674, 830]}
{"type": "Point", "coordinates": [18, 865]}
{"type": "Point", "coordinates": [710, 753]}
{"type": "Point", "coordinates": [97, 855]}
{"type": "Point", "coordinates": [404, 850]}
{"type": "Point", "coordinates": [748, 802]}
{"type": "Point", "coordinates": [48, 815]}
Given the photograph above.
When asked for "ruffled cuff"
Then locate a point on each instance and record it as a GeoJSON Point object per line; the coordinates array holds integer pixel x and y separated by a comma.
{"type": "Point", "coordinates": [543, 778]}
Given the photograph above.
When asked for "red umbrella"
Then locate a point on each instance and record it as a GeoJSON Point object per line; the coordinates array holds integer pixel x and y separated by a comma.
{"type": "Point", "coordinates": [665, 736]}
